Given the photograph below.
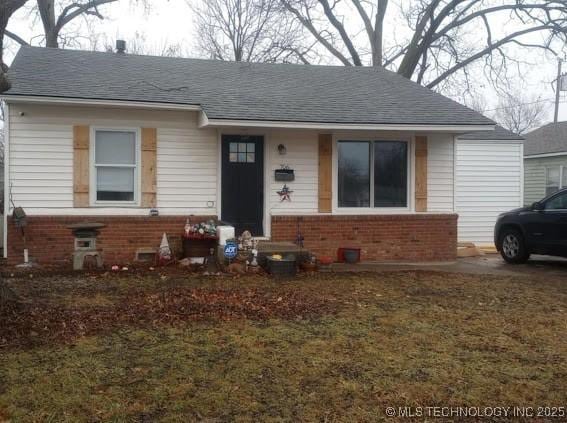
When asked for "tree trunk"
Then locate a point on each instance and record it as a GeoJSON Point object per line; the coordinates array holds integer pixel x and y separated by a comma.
{"type": "Point", "coordinates": [51, 38]}
{"type": "Point", "coordinates": [7, 9]}
{"type": "Point", "coordinates": [377, 42]}
{"type": "Point", "coordinates": [50, 28]}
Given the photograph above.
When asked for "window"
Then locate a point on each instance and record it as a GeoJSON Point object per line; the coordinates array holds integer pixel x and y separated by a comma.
{"type": "Point", "coordinates": [555, 179]}
{"type": "Point", "coordinates": [372, 174]}
{"type": "Point", "coordinates": [557, 203]}
{"type": "Point", "coordinates": [552, 180]}
{"type": "Point", "coordinates": [115, 165]}
{"type": "Point", "coordinates": [242, 152]}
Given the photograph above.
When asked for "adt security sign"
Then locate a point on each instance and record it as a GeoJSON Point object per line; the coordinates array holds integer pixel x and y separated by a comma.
{"type": "Point", "coordinates": [230, 250]}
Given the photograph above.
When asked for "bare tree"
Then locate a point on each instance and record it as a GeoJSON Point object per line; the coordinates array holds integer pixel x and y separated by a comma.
{"type": "Point", "coordinates": [520, 113]}
{"type": "Point", "coordinates": [445, 36]}
{"type": "Point", "coordinates": [247, 30]}
{"type": "Point", "coordinates": [56, 14]}
{"type": "Point", "coordinates": [7, 9]}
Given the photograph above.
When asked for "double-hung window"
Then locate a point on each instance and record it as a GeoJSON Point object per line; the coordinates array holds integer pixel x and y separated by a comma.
{"type": "Point", "coordinates": [373, 174]}
{"type": "Point", "coordinates": [115, 166]}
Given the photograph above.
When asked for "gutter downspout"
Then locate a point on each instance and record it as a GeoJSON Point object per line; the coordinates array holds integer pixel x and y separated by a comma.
{"type": "Point", "coordinates": [6, 177]}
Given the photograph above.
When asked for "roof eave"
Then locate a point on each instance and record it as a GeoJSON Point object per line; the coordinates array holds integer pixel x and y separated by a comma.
{"type": "Point", "coordinates": [68, 101]}
{"type": "Point", "coordinates": [206, 122]}
{"type": "Point", "coordinates": [543, 155]}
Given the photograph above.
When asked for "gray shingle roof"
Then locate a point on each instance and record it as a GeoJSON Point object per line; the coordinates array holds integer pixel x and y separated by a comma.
{"type": "Point", "coordinates": [550, 138]}
{"type": "Point", "coordinates": [499, 134]}
{"type": "Point", "coordinates": [242, 91]}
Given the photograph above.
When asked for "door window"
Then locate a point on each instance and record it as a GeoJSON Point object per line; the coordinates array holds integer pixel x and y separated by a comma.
{"type": "Point", "coordinates": [242, 152]}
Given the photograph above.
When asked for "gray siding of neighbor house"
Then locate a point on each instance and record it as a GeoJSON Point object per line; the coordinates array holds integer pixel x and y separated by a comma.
{"type": "Point", "coordinates": [534, 176]}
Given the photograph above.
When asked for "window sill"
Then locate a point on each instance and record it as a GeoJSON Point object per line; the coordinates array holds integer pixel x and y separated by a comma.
{"type": "Point", "coordinates": [374, 210]}
{"type": "Point", "coordinates": [115, 204]}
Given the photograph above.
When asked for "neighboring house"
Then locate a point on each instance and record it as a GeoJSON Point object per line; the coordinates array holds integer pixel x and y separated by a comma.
{"type": "Point", "coordinates": [545, 161]}
{"type": "Point", "coordinates": [488, 181]}
{"type": "Point", "coordinates": [110, 138]}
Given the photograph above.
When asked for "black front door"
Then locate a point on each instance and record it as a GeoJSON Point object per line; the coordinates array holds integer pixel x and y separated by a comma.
{"type": "Point", "coordinates": [243, 183]}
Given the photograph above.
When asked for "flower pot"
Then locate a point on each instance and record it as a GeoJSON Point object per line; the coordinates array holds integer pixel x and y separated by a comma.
{"type": "Point", "coordinates": [351, 255]}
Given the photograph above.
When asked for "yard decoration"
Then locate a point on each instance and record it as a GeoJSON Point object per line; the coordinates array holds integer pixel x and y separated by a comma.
{"type": "Point", "coordinates": [285, 193]}
{"type": "Point", "coordinates": [165, 255]}
{"type": "Point", "coordinates": [199, 238]}
{"type": "Point", "coordinates": [200, 230]}
{"type": "Point", "coordinates": [211, 264]}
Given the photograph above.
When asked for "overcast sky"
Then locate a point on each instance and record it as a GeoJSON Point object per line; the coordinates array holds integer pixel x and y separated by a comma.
{"type": "Point", "coordinates": [171, 22]}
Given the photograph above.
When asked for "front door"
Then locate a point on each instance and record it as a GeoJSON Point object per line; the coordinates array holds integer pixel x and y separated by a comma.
{"type": "Point", "coordinates": [243, 183]}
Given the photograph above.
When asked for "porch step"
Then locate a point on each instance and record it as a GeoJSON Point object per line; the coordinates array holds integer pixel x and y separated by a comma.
{"type": "Point", "coordinates": [268, 248]}
{"type": "Point", "coordinates": [276, 247]}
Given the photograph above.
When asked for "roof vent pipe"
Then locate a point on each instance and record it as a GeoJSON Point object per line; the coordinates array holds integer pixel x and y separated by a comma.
{"type": "Point", "coordinates": [120, 46]}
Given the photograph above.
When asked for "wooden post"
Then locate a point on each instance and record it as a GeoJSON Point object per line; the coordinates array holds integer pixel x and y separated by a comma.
{"type": "Point", "coordinates": [325, 173]}
{"type": "Point", "coordinates": [81, 141]}
{"type": "Point", "coordinates": [420, 174]}
{"type": "Point", "coordinates": [149, 167]}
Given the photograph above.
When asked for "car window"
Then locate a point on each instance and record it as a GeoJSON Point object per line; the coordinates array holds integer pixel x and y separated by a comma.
{"type": "Point", "coordinates": [557, 203]}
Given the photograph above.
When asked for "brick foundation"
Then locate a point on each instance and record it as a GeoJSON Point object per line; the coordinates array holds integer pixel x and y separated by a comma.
{"type": "Point", "coordinates": [49, 241]}
{"type": "Point", "coordinates": [399, 238]}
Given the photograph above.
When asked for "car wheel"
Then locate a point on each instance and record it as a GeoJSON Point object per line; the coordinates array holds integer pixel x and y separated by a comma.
{"type": "Point", "coordinates": [513, 247]}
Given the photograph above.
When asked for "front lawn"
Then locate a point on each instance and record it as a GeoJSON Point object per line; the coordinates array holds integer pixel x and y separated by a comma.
{"type": "Point", "coordinates": [319, 348]}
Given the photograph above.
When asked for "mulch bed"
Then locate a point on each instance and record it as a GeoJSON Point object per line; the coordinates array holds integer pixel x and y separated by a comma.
{"type": "Point", "coordinates": [36, 323]}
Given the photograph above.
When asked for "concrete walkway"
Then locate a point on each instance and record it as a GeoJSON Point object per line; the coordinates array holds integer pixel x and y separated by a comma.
{"type": "Point", "coordinates": [489, 264]}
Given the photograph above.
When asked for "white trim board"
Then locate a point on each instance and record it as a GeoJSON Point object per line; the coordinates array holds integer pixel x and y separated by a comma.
{"type": "Point", "coordinates": [103, 103]}
{"type": "Point", "coordinates": [205, 122]}
{"type": "Point", "coordinates": [538, 156]}
{"type": "Point", "coordinates": [6, 177]}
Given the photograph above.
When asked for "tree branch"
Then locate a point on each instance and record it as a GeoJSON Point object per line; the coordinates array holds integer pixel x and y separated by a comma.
{"type": "Point", "coordinates": [508, 39]}
{"type": "Point", "coordinates": [16, 38]}
{"type": "Point", "coordinates": [311, 28]}
{"type": "Point", "coordinates": [342, 32]}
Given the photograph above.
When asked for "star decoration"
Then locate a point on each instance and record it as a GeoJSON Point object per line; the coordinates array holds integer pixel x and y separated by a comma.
{"type": "Point", "coordinates": [284, 193]}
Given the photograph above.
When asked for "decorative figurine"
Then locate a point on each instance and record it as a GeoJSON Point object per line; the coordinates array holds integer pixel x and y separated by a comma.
{"type": "Point", "coordinates": [284, 193]}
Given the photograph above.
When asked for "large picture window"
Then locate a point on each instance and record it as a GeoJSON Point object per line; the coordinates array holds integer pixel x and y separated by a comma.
{"type": "Point", "coordinates": [115, 165]}
{"type": "Point", "coordinates": [372, 174]}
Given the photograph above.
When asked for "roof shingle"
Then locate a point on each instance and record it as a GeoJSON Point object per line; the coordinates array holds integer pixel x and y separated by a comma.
{"type": "Point", "coordinates": [499, 133]}
{"type": "Point", "coordinates": [241, 91]}
{"type": "Point", "coordinates": [550, 138]}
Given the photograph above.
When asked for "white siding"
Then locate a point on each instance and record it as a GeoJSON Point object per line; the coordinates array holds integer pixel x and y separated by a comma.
{"type": "Point", "coordinates": [188, 177]}
{"type": "Point", "coordinates": [534, 176]}
{"type": "Point", "coordinates": [303, 157]}
{"type": "Point", "coordinates": [41, 158]}
{"type": "Point", "coordinates": [488, 182]}
{"type": "Point", "coordinates": [440, 173]}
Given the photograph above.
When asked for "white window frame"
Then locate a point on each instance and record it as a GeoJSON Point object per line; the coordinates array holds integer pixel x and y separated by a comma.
{"type": "Point", "coordinates": [373, 210]}
{"type": "Point", "coordinates": [137, 168]}
{"type": "Point", "coordinates": [560, 184]}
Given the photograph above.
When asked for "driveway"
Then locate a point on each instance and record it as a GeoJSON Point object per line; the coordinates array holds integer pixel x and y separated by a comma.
{"type": "Point", "coordinates": [489, 264]}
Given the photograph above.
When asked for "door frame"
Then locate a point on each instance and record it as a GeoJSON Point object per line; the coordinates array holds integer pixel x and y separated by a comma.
{"type": "Point", "coordinates": [267, 224]}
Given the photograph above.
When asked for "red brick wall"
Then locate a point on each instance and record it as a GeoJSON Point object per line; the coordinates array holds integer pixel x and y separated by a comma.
{"type": "Point", "coordinates": [49, 241]}
{"type": "Point", "coordinates": [417, 237]}
{"type": "Point", "coordinates": [403, 238]}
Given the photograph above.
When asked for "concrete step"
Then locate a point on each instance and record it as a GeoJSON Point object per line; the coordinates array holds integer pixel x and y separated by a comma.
{"type": "Point", "coordinates": [268, 248]}
{"type": "Point", "coordinates": [275, 247]}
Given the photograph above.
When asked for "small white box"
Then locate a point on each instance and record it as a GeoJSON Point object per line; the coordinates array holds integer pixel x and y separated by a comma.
{"type": "Point", "coordinates": [224, 233]}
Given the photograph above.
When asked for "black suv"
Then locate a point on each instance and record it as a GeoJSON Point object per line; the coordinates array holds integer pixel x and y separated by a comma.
{"type": "Point", "coordinates": [538, 229]}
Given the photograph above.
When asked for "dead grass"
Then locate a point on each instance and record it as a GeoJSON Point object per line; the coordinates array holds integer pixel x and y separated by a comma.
{"type": "Point", "coordinates": [369, 341]}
